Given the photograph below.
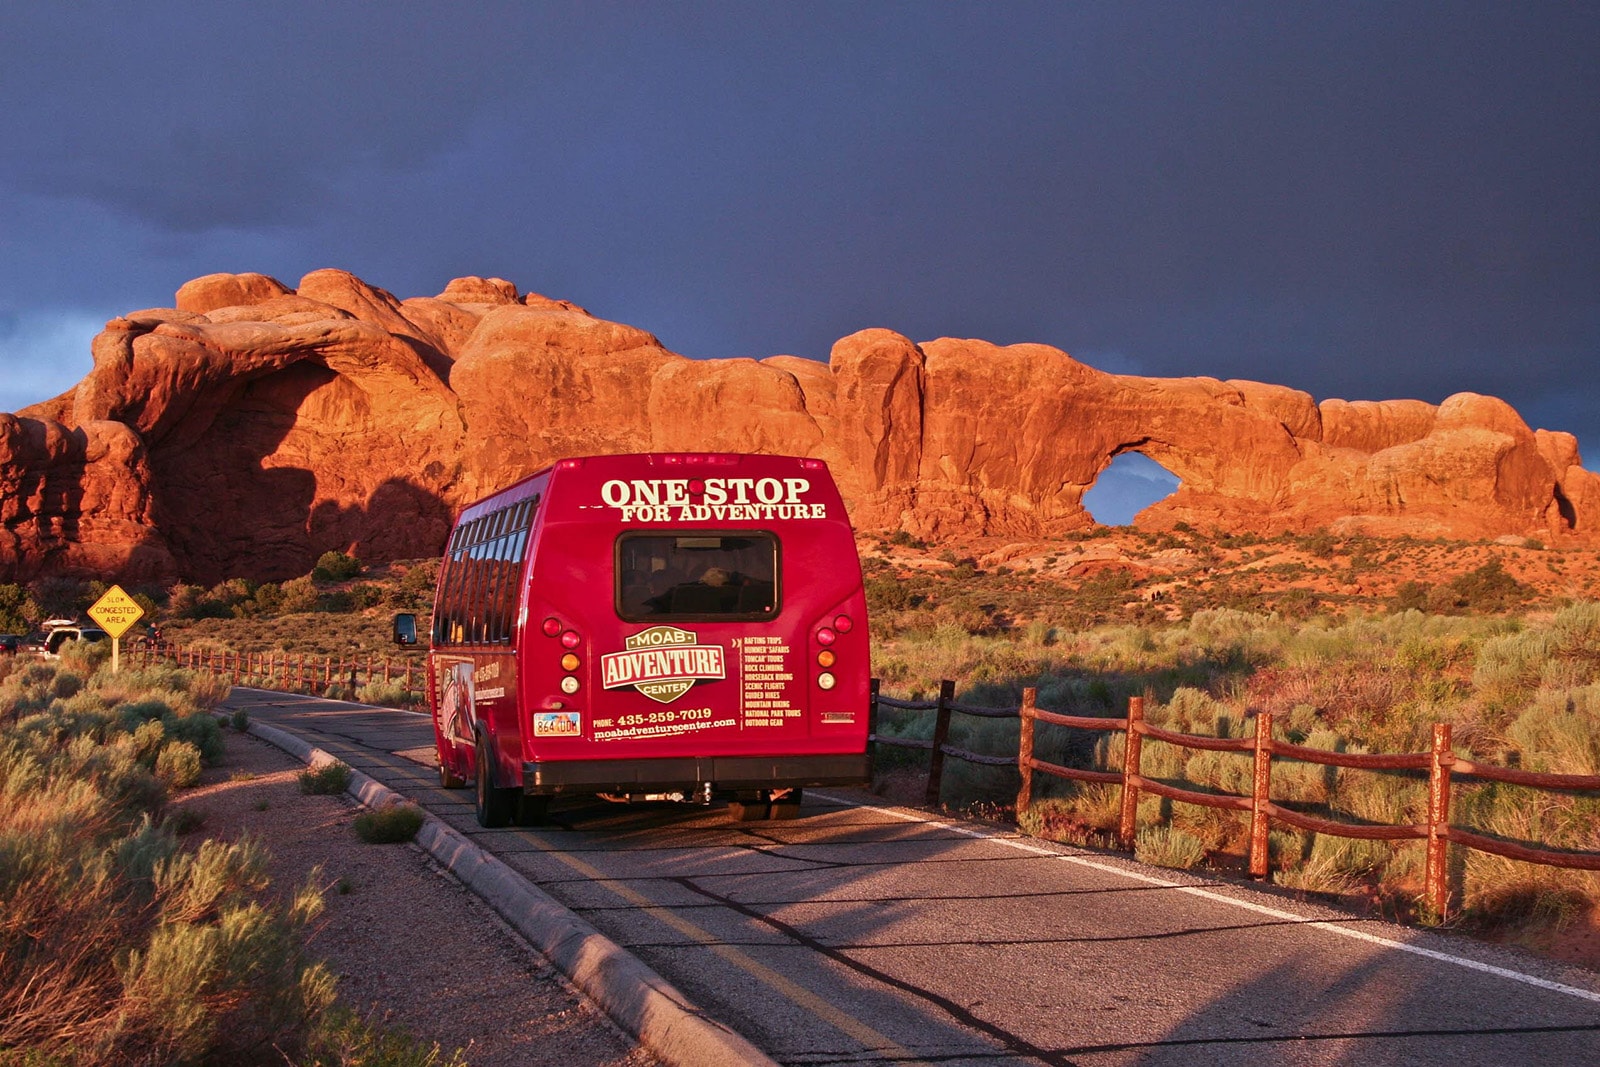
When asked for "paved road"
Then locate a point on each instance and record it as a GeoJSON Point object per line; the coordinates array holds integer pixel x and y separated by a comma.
{"type": "Point", "coordinates": [864, 934]}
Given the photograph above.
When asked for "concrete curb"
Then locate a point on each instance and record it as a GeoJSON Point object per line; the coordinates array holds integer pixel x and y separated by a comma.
{"type": "Point", "coordinates": [635, 997]}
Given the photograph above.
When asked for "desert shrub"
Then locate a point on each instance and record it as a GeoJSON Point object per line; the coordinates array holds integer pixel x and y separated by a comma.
{"type": "Point", "coordinates": [58, 596]}
{"type": "Point", "coordinates": [1575, 632]}
{"type": "Point", "coordinates": [336, 567]}
{"type": "Point", "coordinates": [118, 946]}
{"type": "Point", "coordinates": [199, 729]}
{"type": "Point", "coordinates": [178, 765]}
{"type": "Point", "coordinates": [1560, 733]}
{"type": "Point", "coordinates": [1506, 893]}
{"type": "Point", "coordinates": [1489, 588]}
{"type": "Point", "coordinates": [1321, 873]}
{"type": "Point", "coordinates": [337, 602]}
{"type": "Point", "coordinates": [239, 720]}
{"type": "Point", "coordinates": [146, 739]}
{"type": "Point", "coordinates": [1307, 783]}
{"type": "Point", "coordinates": [66, 683]}
{"type": "Point", "coordinates": [1410, 595]}
{"type": "Point", "coordinates": [140, 711]}
{"type": "Point", "coordinates": [268, 599]}
{"type": "Point", "coordinates": [1224, 772]}
{"type": "Point", "coordinates": [1509, 667]}
{"type": "Point", "coordinates": [388, 824]}
{"type": "Point", "coordinates": [1086, 814]}
{"type": "Point", "coordinates": [17, 614]}
{"type": "Point", "coordinates": [1167, 846]}
{"type": "Point", "coordinates": [344, 1037]}
{"type": "Point", "coordinates": [297, 595]}
{"type": "Point", "coordinates": [385, 694]}
{"type": "Point", "coordinates": [887, 593]}
{"type": "Point", "coordinates": [366, 595]}
{"type": "Point", "coordinates": [325, 779]}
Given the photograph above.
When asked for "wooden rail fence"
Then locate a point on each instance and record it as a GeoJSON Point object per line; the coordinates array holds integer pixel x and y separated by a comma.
{"type": "Point", "coordinates": [1440, 763]}
{"type": "Point", "coordinates": [289, 672]}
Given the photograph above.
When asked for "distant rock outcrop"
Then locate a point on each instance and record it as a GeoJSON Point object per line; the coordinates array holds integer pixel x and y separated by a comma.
{"type": "Point", "coordinates": [252, 427]}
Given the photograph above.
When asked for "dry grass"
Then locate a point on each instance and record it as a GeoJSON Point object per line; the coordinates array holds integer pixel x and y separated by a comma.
{"type": "Point", "coordinates": [119, 942]}
{"type": "Point", "coordinates": [1522, 691]}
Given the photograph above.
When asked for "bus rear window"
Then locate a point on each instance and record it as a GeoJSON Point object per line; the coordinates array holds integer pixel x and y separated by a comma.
{"type": "Point", "coordinates": [697, 576]}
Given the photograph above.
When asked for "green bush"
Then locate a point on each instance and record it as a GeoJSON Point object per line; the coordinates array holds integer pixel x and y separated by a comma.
{"type": "Point", "coordinates": [178, 764]}
{"type": "Point", "coordinates": [389, 824]}
{"type": "Point", "coordinates": [336, 567]}
{"type": "Point", "coordinates": [240, 720]}
{"type": "Point", "coordinates": [17, 614]}
{"type": "Point", "coordinates": [325, 779]}
{"type": "Point", "coordinates": [201, 730]}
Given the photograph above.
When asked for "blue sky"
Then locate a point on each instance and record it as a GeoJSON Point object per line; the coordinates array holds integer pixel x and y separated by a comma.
{"type": "Point", "coordinates": [1364, 200]}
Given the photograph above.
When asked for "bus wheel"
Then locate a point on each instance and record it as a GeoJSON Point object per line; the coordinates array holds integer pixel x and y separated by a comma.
{"type": "Point", "coordinates": [493, 805]}
{"type": "Point", "coordinates": [788, 807]}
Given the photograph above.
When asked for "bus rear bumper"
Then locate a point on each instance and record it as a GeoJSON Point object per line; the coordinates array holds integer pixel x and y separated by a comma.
{"type": "Point", "coordinates": [556, 777]}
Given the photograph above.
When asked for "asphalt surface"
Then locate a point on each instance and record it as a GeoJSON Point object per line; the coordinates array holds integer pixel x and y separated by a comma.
{"type": "Point", "coordinates": [865, 934]}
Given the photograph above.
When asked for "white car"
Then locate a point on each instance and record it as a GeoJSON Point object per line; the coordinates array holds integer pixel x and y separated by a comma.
{"type": "Point", "coordinates": [62, 634]}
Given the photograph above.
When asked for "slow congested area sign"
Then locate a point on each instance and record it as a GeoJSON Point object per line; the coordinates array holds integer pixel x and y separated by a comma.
{"type": "Point", "coordinates": [116, 611]}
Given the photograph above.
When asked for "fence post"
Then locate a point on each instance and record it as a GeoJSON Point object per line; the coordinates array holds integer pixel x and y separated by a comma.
{"type": "Point", "coordinates": [1025, 750]}
{"type": "Point", "coordinates": [941, 730]}
{"type": "Point", "coordinates": [1260, 797]}
{"type": "Point", "coordinates": [1130, 770]}
{"type": "Point", "coordinates": [1439, 821]}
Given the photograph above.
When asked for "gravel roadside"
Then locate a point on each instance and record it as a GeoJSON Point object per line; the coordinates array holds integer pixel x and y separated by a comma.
{"type": "Point", "coordinates": [411, 946]}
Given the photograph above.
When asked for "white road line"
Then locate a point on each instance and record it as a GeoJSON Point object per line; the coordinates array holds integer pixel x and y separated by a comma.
{"type": "Point", "coordinates": [1330, 925]}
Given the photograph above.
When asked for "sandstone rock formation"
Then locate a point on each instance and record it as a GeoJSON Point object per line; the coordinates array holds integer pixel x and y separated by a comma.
{"type": "Point", "coordinates": [252, 427]}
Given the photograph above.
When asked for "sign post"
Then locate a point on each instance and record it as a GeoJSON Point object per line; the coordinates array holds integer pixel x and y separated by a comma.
{"type": "Point", "coordinates": [115, 612]}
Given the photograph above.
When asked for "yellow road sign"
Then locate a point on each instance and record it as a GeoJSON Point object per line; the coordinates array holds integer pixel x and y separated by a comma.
{"type": "Point", "coordinates": [116, 611]}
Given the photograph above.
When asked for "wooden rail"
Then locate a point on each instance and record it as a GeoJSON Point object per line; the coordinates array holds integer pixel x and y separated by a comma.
{"type": "Point", "coordinates": [1440, 763]}
{"type": "Point", "coordinates": [290, 672]}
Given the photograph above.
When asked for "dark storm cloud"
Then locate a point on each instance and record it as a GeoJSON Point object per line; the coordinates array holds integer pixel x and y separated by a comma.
{"type": "Point", "coordinates": [1361, 200]}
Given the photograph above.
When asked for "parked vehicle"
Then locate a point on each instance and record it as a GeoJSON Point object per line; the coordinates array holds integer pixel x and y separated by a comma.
{"type": "Point", "coordinates": [51, 640]}
{"type": "Point", "coordinates": [10, 643]}
{"type": "Point", "coordinates": [667, 626]}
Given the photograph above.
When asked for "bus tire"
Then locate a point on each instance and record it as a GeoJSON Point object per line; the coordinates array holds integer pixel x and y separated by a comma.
{"type": "Point", "coordinates": [494, 806]}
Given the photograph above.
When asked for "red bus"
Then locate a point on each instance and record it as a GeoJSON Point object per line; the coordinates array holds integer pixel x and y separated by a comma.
{"type": "Point", "coordinates": [666, 626]}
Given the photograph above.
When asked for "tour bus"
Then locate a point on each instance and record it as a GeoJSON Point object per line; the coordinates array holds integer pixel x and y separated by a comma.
{"type": "Point", "coordinates": [667, 626]}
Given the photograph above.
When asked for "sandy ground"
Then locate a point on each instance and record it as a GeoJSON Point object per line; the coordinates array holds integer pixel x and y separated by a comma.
{"type": "Point", "coordinates": [410, 945]}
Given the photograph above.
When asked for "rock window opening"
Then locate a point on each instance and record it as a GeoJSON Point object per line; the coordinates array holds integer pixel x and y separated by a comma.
{"type": "Point", "coordinates": [1131, 483]}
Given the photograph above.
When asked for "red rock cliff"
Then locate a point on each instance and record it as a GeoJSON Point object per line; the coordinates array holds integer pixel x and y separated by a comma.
{"type": "Point", "coordinates": [253, 426]}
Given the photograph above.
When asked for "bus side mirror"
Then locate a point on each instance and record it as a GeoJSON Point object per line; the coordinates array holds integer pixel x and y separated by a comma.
{"type": "Point", "coordinates": [405, 628]}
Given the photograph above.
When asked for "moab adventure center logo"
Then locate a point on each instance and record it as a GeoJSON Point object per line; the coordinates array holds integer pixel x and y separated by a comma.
{"type": "Point", "coordinates": [663, 663]}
